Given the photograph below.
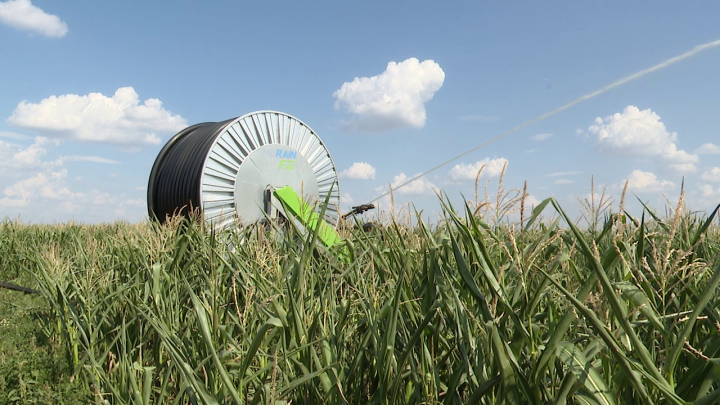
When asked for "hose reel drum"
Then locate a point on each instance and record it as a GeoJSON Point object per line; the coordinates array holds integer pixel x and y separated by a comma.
{"type": "Point", "coordinates": [231, 170]}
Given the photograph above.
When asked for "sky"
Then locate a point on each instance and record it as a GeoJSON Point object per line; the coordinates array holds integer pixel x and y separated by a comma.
{"type": "Point", "coordinates": [91, 91]}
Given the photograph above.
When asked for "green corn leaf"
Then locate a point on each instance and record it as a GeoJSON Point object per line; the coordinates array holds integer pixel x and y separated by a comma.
{"type": "Point", "coordinates": [205, 329]}
{"type": "Point", "coordinates": [509, 382]}
{"type": "Point", "coordinates": [568, 386]}
{"type": "Point", "coordinates": [655, 216]}
{"type": "Point", "coordinates": [609, 340]}
{"type": "Point", "coordinates": [257, 340]}
{"type": "Point", "coordinates": [482, 390]}
{"type": "Point", "coordinates": [710, 399]}
{"type": "Point", "coordinates": [468, 278]}
{"type": "Point", "coordinates": [617, 306]}
{"type": "Point", "coordinates": [633, 294]}
{"type": "Point", "coordinates": [537, 211]}
{"type": "Point", "coordinates": [411, 344]}
{"type": "Point", "coordinates": [708, 293]}
{"type": "Point", "coordinates": [703, 229]}
{"type": "Point", "coordinates": [287, 389]}
{"type": "Point", "coordinates": [585, 373]}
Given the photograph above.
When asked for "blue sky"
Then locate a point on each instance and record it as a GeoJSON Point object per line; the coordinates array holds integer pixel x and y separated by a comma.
{"type": "Point", "coordinates": [90, 91]}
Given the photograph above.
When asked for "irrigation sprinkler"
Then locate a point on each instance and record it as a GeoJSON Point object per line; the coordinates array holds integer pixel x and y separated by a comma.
{"type": "Point", "coordinates": [265, 164]}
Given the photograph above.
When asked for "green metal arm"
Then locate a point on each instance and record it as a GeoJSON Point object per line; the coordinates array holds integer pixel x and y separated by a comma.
{"type": "Point", "coordinates": [307, 216]}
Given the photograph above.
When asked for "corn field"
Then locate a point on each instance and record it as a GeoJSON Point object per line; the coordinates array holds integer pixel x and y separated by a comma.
{"type": "Point", "coordinates": [471, 309]}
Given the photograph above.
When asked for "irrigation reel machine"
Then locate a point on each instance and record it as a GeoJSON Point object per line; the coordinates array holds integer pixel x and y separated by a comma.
{"type": "Point", "coordinates": [242, 171]}
{"type": "Point", "coordinates": [239, 172]}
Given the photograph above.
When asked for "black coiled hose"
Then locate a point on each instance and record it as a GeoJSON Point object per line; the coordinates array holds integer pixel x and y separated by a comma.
{"type": "Point", "coordinates": [175, 177]}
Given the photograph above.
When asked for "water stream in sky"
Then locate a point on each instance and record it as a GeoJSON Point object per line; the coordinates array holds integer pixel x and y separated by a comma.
{"type": "Point", "coordinates": [579, 100]}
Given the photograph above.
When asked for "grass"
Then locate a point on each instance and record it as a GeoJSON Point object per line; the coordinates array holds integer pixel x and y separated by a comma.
{"type": "Point", "coordinates": [33, 368]}
{"type": "Point", "coordinates": [463, 311]}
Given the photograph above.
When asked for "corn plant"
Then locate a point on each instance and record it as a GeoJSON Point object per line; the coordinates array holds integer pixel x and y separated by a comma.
{"type": "Point", "coordinates": [457, 312]}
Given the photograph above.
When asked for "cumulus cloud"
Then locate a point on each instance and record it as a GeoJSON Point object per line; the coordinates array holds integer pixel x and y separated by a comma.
{"type": "Point", "coordinates": [712, 175]}
{"type": "Point", "coordinates": [94, 159]}
{"type": "Point", "coordinates": [13, 135]}
{"type": "Point", "coordinates": [347, 199]}
{"type": "Point", "coordinates": [46, 196]}
{"type": "Point", "coordinates": [684, 167]}
{"type": "Point", "coordinates": [558, 174]}
{"type": "Point", "coordinates": [120, 119]}
{"type": "Point", "coordinates": [707, 196]}
{"type": "Point", "coordinates": [6, 202]}
{"type": "Point", "coordinates": [359, 171]}
{"type": "Point", "coordinates": [531, 201]}
{"type": "Point", "coordinates": [647, 182]}
{"type": "Point", "coordinates": [711, 195]}
{"type": "Point", "coordinates": [708, 149]}
{"type": "Point", "coordinates": [41, 186]}
{"type": "Point", "coordinates": [346, 202]}
{"type": "Point", "coordinates": [32, 185]}
{"type": "Point", "coordinates": [419, 186]}
{"type": "Point", "coordinates": [640, 132]}
{"type": "Point", "coordinates": [707, 190]}
{"type": "Point", "coordinates": [393, 99]}
{"type": "Point", "coordinates": [541, 137]}
{"type": "Point", "coordinates": [466, 172]}
{"type": "Point", "coordinates": [29, 158]}
{"type": "Point", "coordinates": [136, 203]}
{"type": "Point", "coordinates": [22, 15]}
{"type": "Point", "coordinates": [17, 157]}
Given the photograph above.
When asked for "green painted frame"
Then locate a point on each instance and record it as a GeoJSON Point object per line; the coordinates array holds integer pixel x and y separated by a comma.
{"type": "Point", "coordinates": [307, 216]}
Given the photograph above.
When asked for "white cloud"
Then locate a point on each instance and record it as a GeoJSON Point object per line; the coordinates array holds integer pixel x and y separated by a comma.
{"type": "Point", "coordinates": [45, 196]}
{"type": "Point", "coordinates": [13, 135]}
{"type": "Point", "coordinates": [712, 175]}
{"type": "Point", "coordinates": [531, 201]}
{"type": "Point", "coordinates": [22, 15]}
{"type": "Point", "coordinates": [707, 196]}
{"type": "Point", "coordinates": [16, 157]}
{"type": "Point", "coordinates": [708, 149]}
{"type": "Point", "coordinates": [12, 202]}
{"type": "Point", "coordinates": [564, 181]}
{"type": "Point", "coordinates": [558, 174]}
{"type": "Point", "coordinates": [684, 167]}
{"type": "Point", "coordinates": [530, 150]}
{"type": "Point", "coordinates": [136, 203]}
{"type": "Point", "coordinates": [647, 182]}
{"type": "Point", "coordinates": [94, 159]}
{"type": "Point", "coordinates": [393, 99]}
{"type": "Point", "coordinates": [37, 189]}
{"type": "Point", "coordinates": [347, 199]}
{"type": "Point", "coordinates": [632, 132]}
{"type": "Point", "coordinates": [102, 199]}
{"type": "Point", "coordinates": [346, 202]}
{"type": "Point", "coordinates": [601, 194]}
{"type": "Point", "coordinates": [465, 172]}
{"type": "Point", "coordinates": [419, 186]}
{"type": "Point", "coordinates": [358, 171]}
{"type": "Point", "coordinates": [636, 132]}
{"type": "Point", "coordinates": [541, 137]}
{"type": "Point", "coordinates": [707, 190]}
{"type": "Point", "coordinates": [119, 119]}
{"type": "Point", "coordinates": [39, 186]}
